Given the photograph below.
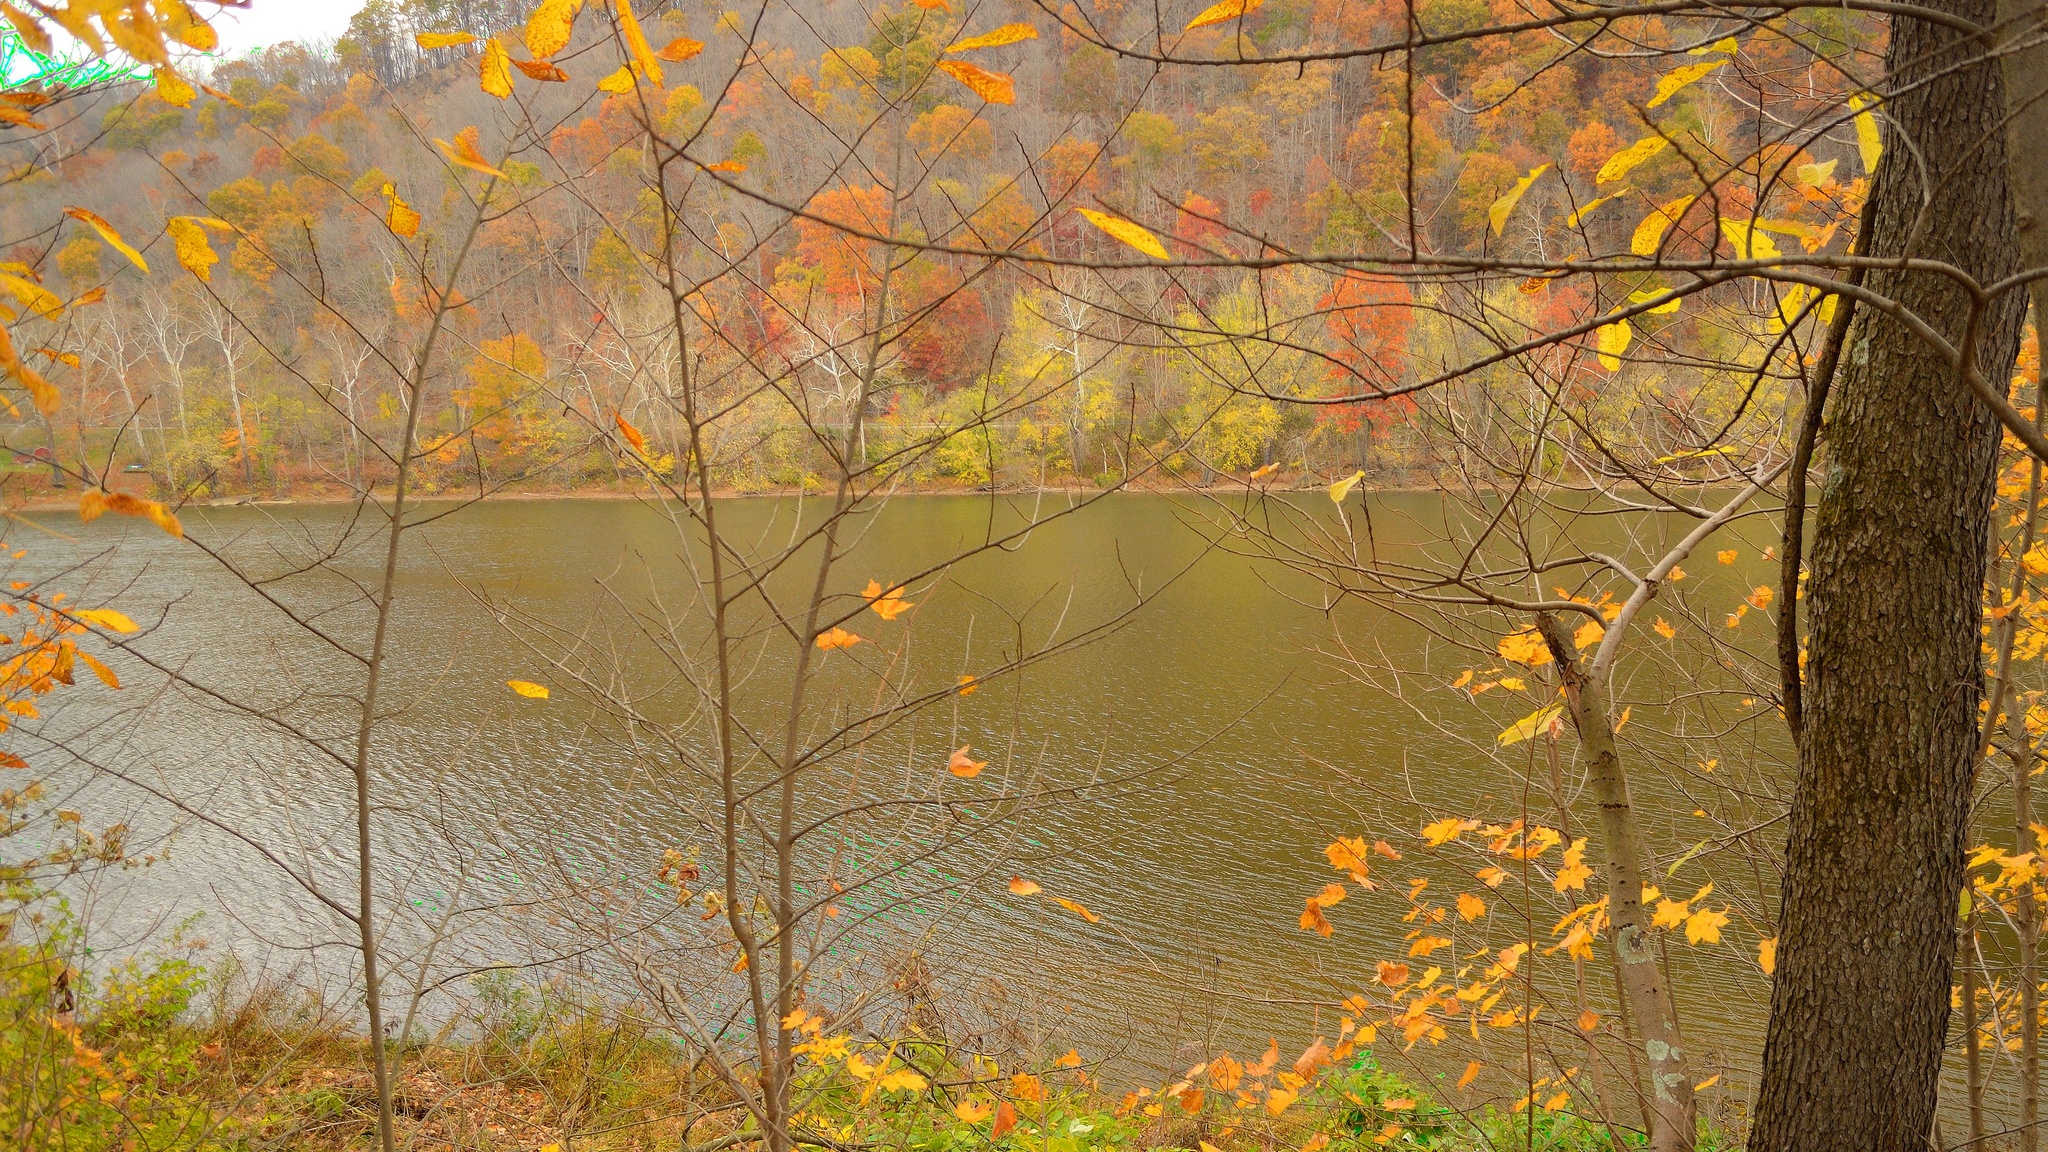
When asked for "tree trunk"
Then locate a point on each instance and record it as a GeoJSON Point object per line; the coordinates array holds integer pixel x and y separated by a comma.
{"type": "Point", "coordinates": [1874, 863]}
{"type": "Point", "coordinates": [1671, 1124]}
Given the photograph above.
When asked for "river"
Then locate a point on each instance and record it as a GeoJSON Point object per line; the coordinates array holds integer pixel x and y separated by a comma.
{"type": "Point", "coordinates": [1255, 740]}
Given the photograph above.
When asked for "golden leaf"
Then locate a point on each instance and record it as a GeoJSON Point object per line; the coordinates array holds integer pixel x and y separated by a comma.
{"type": "Point", "coordinates": [1589, 634]}
{"type": "Point", "coordinates": [1498, 212]}
{"type": "Point", "coordinates": [1869, 141]}
{"type": "Point", "coordinates": [108, 234]}
{"type": "Point", "coordinates": [443, 39]}
{"type": "Point", "coordinates": [1446, 830]}
{"type": "Point", "coordinates": [1709, 1082]}
{"type": "Point", "coordinates": [618, 83]}
{"type": "Point", "coordinates": [1624, 161]}
{"type": "Point", "coordinates": [541, 70]}
{"type": "Point", "coordinates": [1313, 920]}
{"type": "Point", "coordinates": [32, 33]}
{"type": "Point", "coordinates": [680, 49]}
{"type": "Point", "coordinates": [993, 87]}
{"type": "Point", "coordinates": [1704, 927]}
{"type": "Point", "coordinates": [1672, 82]}
{"type": "Point", "coordinates": [193, 250]}
{"type": "Point", "coordinates": [1007, 34]}
{"type": "Point", "coordinates": [1471, 1073]}
{"type": "Point", "coordinates": [1665, 630]}
{"type": "Point", "coordinates": [974, 1111]}
{"type": "Point", "coordinates": [1022, 887]}
{"type": "Point", "coordinates": [106, 618]}
{"type": "Point", "coordinates": [1524, 647]}
{"type": "Point", "coordinates": [1726, 556]}
{"type": "Point", "coordinates": [1223, 12]}
{"type": "Point", "coordinates": [1127, 232]}
{"type": "Point", "coordinates": [965, 686]}
{"type": "Point", "coordinates": [100, 670]}
{"type": "Point", "coordinates": [890, 604]}
{"type": "Point", "coordinates": [1470, 907]}
{"type": "Point", "coordinates": [463, 153]}
{"type": "Point", "coordinates": [1076, 909]}
{"type": "Point", "coordinates": [174, 89]}
{"type": "Point", "coordinates": [726, 166]}
{"type": "Point", "coordinates": [1725, 45]}
{"type": "Point", "coordinates": [1649, 233]}
{"type": "Point", "coordinates": [402, 219]}
{"type": "Point", "coordinates": [548, 28]}
{"type": "Point", "coordinates": [963, 766]}
{"type": "Point", "coordinates": [528, 689]}
{"type": "Point", "coordinates": [637, 48]}
{"type": "Point", "coordinates": [1587, 209]}
{"type": "Point", "coordinates": [1528, 726]}
{"type": "Point", "coordinates": [494, 70]}
{"type": "Point", "coordinates": [1612, 340]}
{"type": "Point", "coordinates": [1767, 955]}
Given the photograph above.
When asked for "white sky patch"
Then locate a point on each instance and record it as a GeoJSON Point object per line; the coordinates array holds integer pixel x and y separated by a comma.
{"type": "Point", "coordinates": [268, 22]}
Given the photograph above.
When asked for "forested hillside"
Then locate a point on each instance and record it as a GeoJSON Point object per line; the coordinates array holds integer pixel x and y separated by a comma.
{"type": "Point", "coordinates": [295, 148]}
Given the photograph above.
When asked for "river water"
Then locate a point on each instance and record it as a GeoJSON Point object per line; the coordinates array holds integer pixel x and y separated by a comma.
{"type": "Point", "coordinates": [1251, 737]}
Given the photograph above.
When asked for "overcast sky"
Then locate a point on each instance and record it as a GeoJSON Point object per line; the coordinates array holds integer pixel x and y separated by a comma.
{"type": "Point", "coordinates": [268, 22]}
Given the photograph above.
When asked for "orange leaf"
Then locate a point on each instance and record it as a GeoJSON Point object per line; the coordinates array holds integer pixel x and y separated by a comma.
{"type": "Point", "coordinates": [1006, 1119]}
{"type": "Point", "coordinates": [962, 766]}
{"type": "Point", "coordinates": [463, 152]}
{"type": "Point", "coordinates": [1019, 886]}
{"type": "Point", "coordinates": [1076, 909]}
{"type": "Point", "coordinates": [680, 49]}
{"type": "Point", "coordinates": [836, 638]}
{"type": "Point", "coordinates": [888, 605]}
{"type": "Point", "coordinates": [541, 70]}
{"type": "Point", "coordinates": [993, 87]}
{"type": "Point", "coordinates": [1471, 1074]}
{"type": "Point", "coordinates": [1313, 920]}
{"type": "Point", "coordinates": [726, 166]}
{"type": "Point", "coordinates": [1224, 12]}
{"type": "Point", "coordinates": [634, 438]}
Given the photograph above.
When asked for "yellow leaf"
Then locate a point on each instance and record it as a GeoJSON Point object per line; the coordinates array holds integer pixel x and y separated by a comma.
{"type": "Point", "coordinates": [1650, 233]}
{"type": "Point", "coordinates": [1342, 488]}
{"type": "Point", "coordinates": [1470, 907]}
{"type": "Point", "coordinates": [528, 689]}
{"type": "Point", "coordinates": [963, 766]}
{"type": "Point", "coordinates": [1528, 726]}
{"type": "Point", "coordinates": [1127, 232]}
{"type": "Point", "coordinates": [548, 28]}
{"type": "Point", "coordinates": [443, 39]}
{"type": "Point", "coordinates": [1649, 294]}
{"type": "Point", "coordinates": [1767, 955]}
{"type": "Point", "coordinates": [174, 89]}
{"type": "Point", "coordinates": [618, 83]}
{"type": "Point", "coordinates": [1280, 1097]}
{"type": "Point", "coordinates": [193, 250]}
{"type": "Point", "coordinates": [32, 295]}
{"type": "Point", "coordinates": [1444, 831]}
{"type": "Point", "coordinates": [965, 686]}
{"type": "Point", "coordinates": [993, 87]}
{"type": "Point", "coordinates": [1076, 909]}
{"type": "Point", "coordinates": [1612, 340]}
{"type": "Point", "coordinates": [1725, 556]}
{"type": "Point", "coordinates": [637, 48]}
{"type": "Point", "coordinates": [1709, 1082]}
{"type": "Point", "coordinates": [401, 218]}
{"type": "Point", "coordinates": [680, 49]}
{"type": "Point", "coordinates": [1815, 175]}
{"type": "Point", "coordinates": [1869, 141]}
{"type": "Point", "coordinates": [100, 670]}
{"type": "Point", "coordinates": [1585, 210]}
{"type": "Point", "coordinates": [1726, 44]}
{"type": "Point", "coordinates": [1677, 79]}
{"type": "Point", "coordinates": [1624, 161]}
{"type": "Point", "coordinates": [1007, 34]}
{"type": "Point", "coordinates": [1498, 212]}
{"type": "Point", "coordinates": [495, 70]}
{"type": "Point", "coordinates": [1223, 12]}
{"type": "Point", "coordinates": [106, 618]}
{"type": "Point", "coordinates": [1665, 630]}
{"type": "Point", "coordinates": [1751, 243]}
{"type": "Point", "coordinates": [1589, 634]}
{"type": "Point", "coordinates": [1704, 926]}
{"type": "Point", "coordinates": [1022, 887]}
{"type": "Point", "coordinates": [974, 1111]}
{"type": "Point", "coordinates": [108, 234]}
{"type": "Point", "coordinates": [463, 153]}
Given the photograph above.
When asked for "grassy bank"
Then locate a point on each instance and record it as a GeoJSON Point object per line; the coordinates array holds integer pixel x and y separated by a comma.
{"type": "Point", "coordinates": [165, 1054]}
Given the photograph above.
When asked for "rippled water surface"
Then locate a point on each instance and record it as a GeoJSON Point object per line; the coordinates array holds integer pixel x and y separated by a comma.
{"type": "Point", "coordinates": [1254, 744]}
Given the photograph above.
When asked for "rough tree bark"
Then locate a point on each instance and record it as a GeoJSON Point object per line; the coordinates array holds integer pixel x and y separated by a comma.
{"type": "Point", "coordinates": [1874, 863]}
